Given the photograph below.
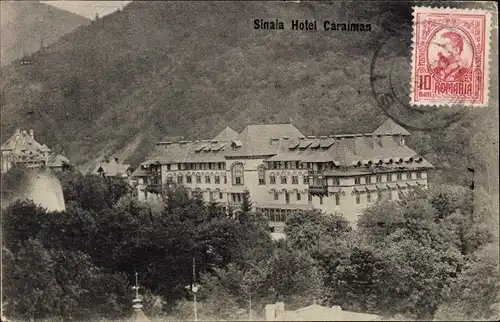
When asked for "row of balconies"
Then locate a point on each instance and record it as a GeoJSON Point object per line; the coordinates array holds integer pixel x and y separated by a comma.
{"type": "Point", "coordinates": [317, 185]}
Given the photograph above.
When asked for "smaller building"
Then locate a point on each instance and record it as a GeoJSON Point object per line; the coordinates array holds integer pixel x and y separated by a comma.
{"type": "Point", "coordinates": [59, 162]}
{"type": "Point", "coordinates": [112, 168]}
{"type": "Point", "coordinates": [22, 149]}
{"type": "Point", "coordinates": [277, 312]}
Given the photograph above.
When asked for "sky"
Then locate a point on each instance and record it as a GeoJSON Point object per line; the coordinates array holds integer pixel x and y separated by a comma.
{"type": "Point", "coordinates": [88, 9]}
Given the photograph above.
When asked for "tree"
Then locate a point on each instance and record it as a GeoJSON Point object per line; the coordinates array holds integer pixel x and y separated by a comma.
{"type": "Point", "coordinates": [417, 249]}
{"type": "Point", "coordinates": [30, 284]}
{"type": "Point", "coordinates": [306, 229]}
{"type": "Point", "coordinates": [476, 293]}
{"type": "Point", "coordinates": [92, 192]}
{"type": "Point", "coordinates": [12, 182]}
{"type": "Point", "coordinates": [246, 202]}
{"type": "Point", "coordinates": [23, 222]}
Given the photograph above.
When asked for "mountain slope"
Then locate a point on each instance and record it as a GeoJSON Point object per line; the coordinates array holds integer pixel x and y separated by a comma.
{"type": "Point", "coordinates": [160, 70]}
{"type": "Point", "coordinates": [26, 24]}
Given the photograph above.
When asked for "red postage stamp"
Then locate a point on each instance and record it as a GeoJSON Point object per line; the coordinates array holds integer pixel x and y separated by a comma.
{"type": "Point", "coordinates": [450, 56]}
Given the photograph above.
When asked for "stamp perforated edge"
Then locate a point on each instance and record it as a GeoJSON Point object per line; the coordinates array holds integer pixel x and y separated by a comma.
{"type": "Point", "coordinates": [447, 10]}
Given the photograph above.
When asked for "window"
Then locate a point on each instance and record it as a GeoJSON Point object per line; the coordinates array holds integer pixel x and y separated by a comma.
{"type": "Point", "coordinates": [368, 198]}
{"type": "Point", "coordinates": [389, 195]}
{"type": "Point", "coordinates": [358, 199]}
{"type": "Point", "coordinates": [262, 175]}
{"type": "Point", "coordinates": [336, 181]}
{"type": "Point", "coordinates": [379, 195]}
{"type": "Point", "coordinates": [337, 199]}
{"type": "Point", "coordinates": [306, 179]}
{"type": "Point", "coordinates": [283, 179]}
{"type": "Point", "coordinates": [368, 179]}
{"type": "Point", "coordinates": [180, 179]}
{"type": "Point", "coordinates": [379, 178]}
{"type": "Point", "coordinates": [295, 180]}
{"type": "Point", "coordinates": [276, 197]}
{"type": "Point", "coordinates": [309, 199]}
{"type": "Point", "coordinates": [217, 180]}
{"type": "Point", "coordinates": [237, 173]}
{"type": "Point", "coordinates": [272, 179]}
{"type": "Point", "coordinates": [320, 200]}
{"type": "Point", "coordinates": [207, 179]}
{"type": "Point", "coordinates": [225, 179]}
{"type": "Point", "coordinates": [168, 167]}
{"type": "Point", "coordinates": [399, 176]}
{"type": "Point", "coordinates": [419, 175]}
{"type": "Point", "coordinates": [298, 196]}
{"type": "Point", "coordinates": [389, 177]}
{"type": "Point", "coordinates": [357, 180]}
{"type": "Point", "coordinates": [189, 179]}
{"type": "Point", "coordinates": [198, 178]}
{"type": "Point", "coordinates": [221, 196]}
{"type": "Point", "coordinates": [287, 197]}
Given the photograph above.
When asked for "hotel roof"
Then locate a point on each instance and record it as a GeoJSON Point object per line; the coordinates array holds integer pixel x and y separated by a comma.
{"type": "Point", "coordinates": [228, 134]}
{"type": "Point", "coordinates": [390, 127]}
{"type": "Point", "coordinates": [284, 142]}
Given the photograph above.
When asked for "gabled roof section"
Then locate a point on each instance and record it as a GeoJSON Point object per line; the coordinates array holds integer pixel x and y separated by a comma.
{"type": "Point", "coordinates": [139, 172]}
{"type": "Point", "coordinates": [264, 139]}
{"type": "Point", "coordinates": [22, 141]}
{"type": "Point", "coordinates": [391, 128]}
{"type": "Point", "coordinates": [112, 168]}
{"type": "Point", "coordinates": [228, 134]}
{"type": "Point", "coordinates": [59, 161]}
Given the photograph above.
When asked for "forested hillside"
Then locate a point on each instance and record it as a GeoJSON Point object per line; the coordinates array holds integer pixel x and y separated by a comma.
{"type": "Point", "coordinates": [157, 70]}
{"type": "Point", "coordinates": [26, 25]}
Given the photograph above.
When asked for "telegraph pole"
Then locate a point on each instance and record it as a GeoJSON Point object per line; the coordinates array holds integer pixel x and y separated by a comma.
{"type": "Point", "coordinates": [195, 289]}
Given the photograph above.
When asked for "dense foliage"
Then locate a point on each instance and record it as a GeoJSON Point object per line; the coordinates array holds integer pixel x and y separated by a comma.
{"type": "Point", "coordinates": [431, 254]}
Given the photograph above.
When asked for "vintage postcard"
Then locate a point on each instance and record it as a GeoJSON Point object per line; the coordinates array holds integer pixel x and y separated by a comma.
{"type": "Point", "coordinates": [249, 161]}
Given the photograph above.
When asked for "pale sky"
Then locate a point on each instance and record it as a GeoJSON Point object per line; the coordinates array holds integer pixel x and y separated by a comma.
{"type": "Point", "coordinates": [88, 8]}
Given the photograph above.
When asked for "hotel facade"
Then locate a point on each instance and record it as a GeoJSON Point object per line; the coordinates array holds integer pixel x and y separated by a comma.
{"type": "Point", "coordinates": [286, 171]}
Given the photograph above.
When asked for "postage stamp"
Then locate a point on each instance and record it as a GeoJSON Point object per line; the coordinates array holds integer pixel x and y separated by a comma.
{"type": "Point", "coordinates": [450, 56]}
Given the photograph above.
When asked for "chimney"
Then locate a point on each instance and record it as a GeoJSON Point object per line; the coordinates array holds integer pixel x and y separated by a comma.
{"type": "Point", "coordinates": [272, 140]}
{"type": "Point", "coordinates": [32, 134]}
{"type": "Point", "coordinates": [270, 312]}
{"type": "Point", "coordinates": [18, 132]}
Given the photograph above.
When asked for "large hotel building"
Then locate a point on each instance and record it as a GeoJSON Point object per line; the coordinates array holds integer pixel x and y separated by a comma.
{"type": "Point", "coordinates": [285, 171]}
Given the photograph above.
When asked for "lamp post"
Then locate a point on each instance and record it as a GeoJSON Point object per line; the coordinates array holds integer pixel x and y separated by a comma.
{"type": "Point", "coordinates": [194, 288]}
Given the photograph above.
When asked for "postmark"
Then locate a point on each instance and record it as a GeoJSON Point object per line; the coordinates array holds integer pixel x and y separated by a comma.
{"type": "Point", "coordinates": [390, 73]}
{"type": "Point", "coordinates": [450, 58]}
